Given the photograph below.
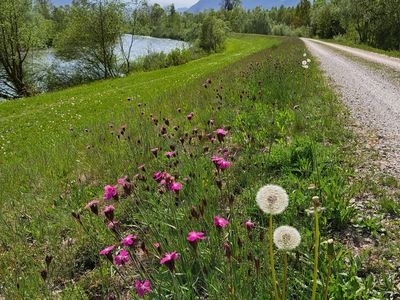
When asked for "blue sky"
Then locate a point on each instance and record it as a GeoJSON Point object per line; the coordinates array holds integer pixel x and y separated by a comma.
{"type": "Point", "coordinates": [178, 3]}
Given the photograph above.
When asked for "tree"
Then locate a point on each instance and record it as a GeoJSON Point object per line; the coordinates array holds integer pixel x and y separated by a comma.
{"type": "Point", "coordinates": [230, 4]}
{"type": "Point", "coordinates": [91, 34]}
{"type": "Point", "coordinates": [213, 33]}
{"type": "Point", "coordinates": [303, 13]}
{"type": "Point", "coordinates": [20, 32]}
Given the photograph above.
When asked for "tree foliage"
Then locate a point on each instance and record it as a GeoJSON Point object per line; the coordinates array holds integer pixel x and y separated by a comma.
{"type": "Point", "coordinates": [91, 33]}
{"type": "Point", "coordinates": [21, 30]}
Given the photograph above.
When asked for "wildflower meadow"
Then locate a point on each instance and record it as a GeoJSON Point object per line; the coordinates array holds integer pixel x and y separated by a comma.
{"type": "Point", "coordinates": [230, 185]}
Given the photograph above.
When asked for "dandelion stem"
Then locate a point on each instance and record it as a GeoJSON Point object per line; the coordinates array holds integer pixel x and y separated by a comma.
{"type": "Point", "coordinates": [271, 257]}
{"type": "Point", "coordinates": [284, 275]}
{"type": "Point", "coordinates": [316, 251]}
{"type": "Point", "coordinates": [328, 277]}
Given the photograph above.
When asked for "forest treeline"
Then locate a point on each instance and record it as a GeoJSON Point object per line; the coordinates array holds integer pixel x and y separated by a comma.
{"type": "Point", "coordinates": [89, 30]}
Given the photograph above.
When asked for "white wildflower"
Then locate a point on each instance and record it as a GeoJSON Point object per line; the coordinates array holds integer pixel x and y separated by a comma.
{"type": "Point", "coordinates": [272, 199]}
{"type": "Point", "coordinates": [286, 237]}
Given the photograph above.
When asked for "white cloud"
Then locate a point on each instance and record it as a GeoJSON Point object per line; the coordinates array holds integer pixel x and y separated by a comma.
{"type": "Point", "coordinates": [178, 3]}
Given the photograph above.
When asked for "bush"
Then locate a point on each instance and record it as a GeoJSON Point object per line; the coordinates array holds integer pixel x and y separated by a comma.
{"type": "Point", "coordinates": [281, 29]}
{"type": "Point", "coordinates": [213, 34]}
{"type": "Point", "coordinates": [178, 57]}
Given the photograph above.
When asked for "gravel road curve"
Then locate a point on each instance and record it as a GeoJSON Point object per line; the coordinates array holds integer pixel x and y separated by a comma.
{"type": "Point", "coordinates": [373, 98]}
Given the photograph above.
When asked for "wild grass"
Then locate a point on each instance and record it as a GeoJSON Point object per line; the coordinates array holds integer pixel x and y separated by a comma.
{"type": "Point", "coordinates": [284, 125]}
{"type": "Point", "coordinates": [392, 53]}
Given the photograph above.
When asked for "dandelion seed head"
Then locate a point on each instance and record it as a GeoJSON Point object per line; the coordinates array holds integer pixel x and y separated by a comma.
{"type": "Point", "coordinates": [286, 238]}
{"type": "Point", "coordinates": [272, 199]}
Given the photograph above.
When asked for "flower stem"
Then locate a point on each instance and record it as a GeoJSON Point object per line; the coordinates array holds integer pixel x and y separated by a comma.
{"type": "Point", "coordinates": [271, 257]}
{"type": "Point", "coordinates": [316, 251]}
{"type": "Point", "coordinates": [328, 277]}
{"type": "Point", "coordinates": [284, 275]}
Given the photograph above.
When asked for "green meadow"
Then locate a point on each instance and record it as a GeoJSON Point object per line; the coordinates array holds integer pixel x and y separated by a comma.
{"type": "Point", "coordinates": [284, 126]}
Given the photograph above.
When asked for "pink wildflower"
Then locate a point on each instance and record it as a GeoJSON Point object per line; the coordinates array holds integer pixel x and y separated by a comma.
{"type": "Point", "coordinates": [110, 192]}
{"type": "Point", "coordinates": [169, 260]}
{"type": "Point", "coordinates": [142, 287]}
{"type": "Point", "coordinates": [221, 133]}
{"type": "Point", "coordinates": [220, 163]}
{"type": "Point", "coordinates": [224, 165]}
{"type": "Point", "coordinates": [220, 222]}
{"type": "Point", "coordinates": [129, 240]}
{"type": "Point", "coordinates": [190, 116]}
{"type": "Point", "coordinates": [157, 176]}
{"type": "Point", "coordinates": [170, 154]}
{"type": "Point", "coordinates": [93, 205]}
{"type": "Point", "coordinates": [194, 236]}
{"type": "Point", "coordinates": [122, 258]}
{"type": "Point", "coordinates": [108, 252]}
{"type": "Point", "coordinates": [109, 212]}
{"type": "Point", "coordinates": [121, 181]}
{"type": "Point", "coordinates": [249, 225]}
{"type": "Point", "coordinates": [175, 186]}
{"type": "Point", "coordinates": [112, 224]}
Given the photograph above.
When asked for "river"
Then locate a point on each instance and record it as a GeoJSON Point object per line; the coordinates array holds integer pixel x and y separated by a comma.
{"type": "Point", "coordinates": [41, 63]}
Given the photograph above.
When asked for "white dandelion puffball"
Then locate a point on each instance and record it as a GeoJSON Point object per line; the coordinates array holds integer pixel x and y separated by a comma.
{"type": "Point", "coordinates": [305, 54]}
{"type": "Point", "coordinates": [286, 238]}
{"type": "Point", "coordinates": [308, 60]}
{"type": "Point", "coordinates": [272, 199]}
{"type": "Point", "coordinates": [304, 63]}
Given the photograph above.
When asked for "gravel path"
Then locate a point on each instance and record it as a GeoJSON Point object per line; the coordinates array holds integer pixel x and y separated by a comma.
{"type": "Point", "coordinates": [372, 97]}
{"type": "Point", "coordinates": [392, 62]}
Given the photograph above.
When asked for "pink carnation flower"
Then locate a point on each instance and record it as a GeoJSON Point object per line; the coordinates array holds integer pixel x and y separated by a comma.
{"type": "Point", "coordinates": [220, 163]}
{"type": "Point", "coordinates": [129, 240]}
{"type": "Point", "coordinates": [110, 192]}
{"type": "Point", "coordinates": [121, 181]}
{"type": "Point", "coordinates": [249, 225]}
{"type": "Point", "coordinates": [122, 258]}
{"type": "Point", "coordinates": [170, 154]}
{"type": "Point", "coordinates": [157, 176]}
{"type": "Point", "coordinates": [194, 236]}
{"type": "Point", "coordinates": [107, 250]}
{"type": "Point", "coordinates": [112, 224]}
{"type": "Point", "coordinates": [221, 133]}
{"type": "Point", "coordinates": [220, 222]}
{"type": "Point", "coordinates": [142, 287]}
{"type": "Point", "coordinates": [175, 186]}
{"type": "Point", "coordinates": [94, 206]}
{"type": "Point", "coordinates": [169, 260]}
{"type": "Point", "coordinates": [109, 212]}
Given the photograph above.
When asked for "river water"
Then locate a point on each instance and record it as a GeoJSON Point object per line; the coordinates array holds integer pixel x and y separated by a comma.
{"type": "Point", "coordinates": [41, 63]}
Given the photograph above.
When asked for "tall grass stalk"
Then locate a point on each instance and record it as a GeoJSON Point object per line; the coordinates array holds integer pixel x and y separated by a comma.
{"type": "Point", "coordinates": [284, 276]}
{"type": "Point", "coordinates": [271, 257]}
{"type": "Point", "coordinates": [316, 248]}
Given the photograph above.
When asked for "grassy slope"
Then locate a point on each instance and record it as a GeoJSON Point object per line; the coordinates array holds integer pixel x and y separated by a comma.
{"type": "Point", "coordinates": [285, 126]}
{"type": "Point", "coordinates": [392, 53]}
{"type": "Point", "coordinates": [43, 143]}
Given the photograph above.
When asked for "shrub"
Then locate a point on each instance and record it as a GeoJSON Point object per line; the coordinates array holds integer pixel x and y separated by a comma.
{"type": "Point", "coordinates": [213, 34]}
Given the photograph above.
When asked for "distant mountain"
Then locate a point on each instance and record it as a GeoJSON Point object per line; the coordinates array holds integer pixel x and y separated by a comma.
{"type": "Point", "coordinates": [246, 4]}
{"type": "Point", "coordinates": [182, 9]}
{"type": "Point", "coordinates": [60, 2]}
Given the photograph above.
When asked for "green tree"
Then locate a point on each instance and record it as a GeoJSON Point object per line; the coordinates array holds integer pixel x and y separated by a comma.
{"type": "Point", "coordinates": [213, 33]}
{"type": "Point", "coordinates": [91, 34]}
{"type": "Point", "coordinates": [230, 4]}
{"type": "Point", "coordinates": [21, 31]}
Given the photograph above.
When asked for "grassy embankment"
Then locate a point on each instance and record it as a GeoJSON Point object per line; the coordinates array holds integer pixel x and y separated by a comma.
{"type": "Point", "coordinates": [284, 126]}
